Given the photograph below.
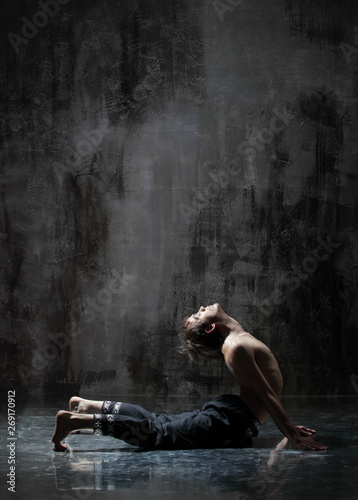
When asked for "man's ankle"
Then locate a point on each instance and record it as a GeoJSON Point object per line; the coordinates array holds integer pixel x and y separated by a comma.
{"type": "Point", "coordinates": [81, 421]}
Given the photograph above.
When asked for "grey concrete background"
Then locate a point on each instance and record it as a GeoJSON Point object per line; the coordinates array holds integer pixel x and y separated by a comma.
{"type": "Point", "coordinates": [160, 155]}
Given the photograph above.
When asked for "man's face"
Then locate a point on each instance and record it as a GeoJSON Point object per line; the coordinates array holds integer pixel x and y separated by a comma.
{"type": "Point", "coordinates": [205, 315]}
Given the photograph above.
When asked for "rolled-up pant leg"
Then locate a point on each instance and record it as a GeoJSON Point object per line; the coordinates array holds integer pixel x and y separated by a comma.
{"type": "Point", "coordinates": [137, 432]}
{"type": "Point", "coordinates": [130, 423]}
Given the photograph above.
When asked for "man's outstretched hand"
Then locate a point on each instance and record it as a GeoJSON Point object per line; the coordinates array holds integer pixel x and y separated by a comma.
{"type": "Point", "coordinates": [302, 439]}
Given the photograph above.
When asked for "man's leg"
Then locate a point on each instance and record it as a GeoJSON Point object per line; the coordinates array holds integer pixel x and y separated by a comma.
{"type": "Point", "coordinates": [89, 406]}
{"type": "Point", "coordinates": [80, 405]}
{"type": "Point", "coordinates": [125, 421]}
{"type": "Point", "coordinates": [67, 422]}
{"type": "Point", "coordinates": [136, 431]}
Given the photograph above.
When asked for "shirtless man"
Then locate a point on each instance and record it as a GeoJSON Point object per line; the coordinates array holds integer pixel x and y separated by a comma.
{"type": "Point", "coordinates": [252, 364]}
{"type": "Point", "coordinates": [225, 421]}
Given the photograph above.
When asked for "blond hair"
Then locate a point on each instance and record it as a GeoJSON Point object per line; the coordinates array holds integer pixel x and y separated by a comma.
{"type": "Point", "coordinates": [198, 344]}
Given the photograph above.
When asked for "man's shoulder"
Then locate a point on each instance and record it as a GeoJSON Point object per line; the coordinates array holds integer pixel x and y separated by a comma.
{"type": "Point", "coordinates": [239, 353]}
{"type": "Point", "coordinates": [240, 343]}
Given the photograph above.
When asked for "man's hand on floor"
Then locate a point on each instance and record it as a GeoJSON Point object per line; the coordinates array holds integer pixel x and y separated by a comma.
{"type": "Point", "coordinates": [302, 439]}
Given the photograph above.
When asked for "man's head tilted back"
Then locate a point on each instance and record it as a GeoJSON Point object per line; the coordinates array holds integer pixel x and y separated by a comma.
{"type": "Point", "coordinates": [200, 336]}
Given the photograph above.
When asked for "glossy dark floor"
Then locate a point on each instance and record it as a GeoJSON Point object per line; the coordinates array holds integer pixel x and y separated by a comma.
{"type": "Point", "coordinates": [103, 468]}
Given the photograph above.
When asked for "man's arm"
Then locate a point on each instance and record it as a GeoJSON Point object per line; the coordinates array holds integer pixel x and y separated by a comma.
{"type": "Point", "coordinates": [243, 366]}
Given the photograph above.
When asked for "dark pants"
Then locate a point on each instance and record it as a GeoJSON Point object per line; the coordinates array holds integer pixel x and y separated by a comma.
{"type": "Point", "coordinates": [225, 421]}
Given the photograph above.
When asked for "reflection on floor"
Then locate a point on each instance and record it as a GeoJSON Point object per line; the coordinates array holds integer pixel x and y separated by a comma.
{"type": "Point", "coordinates": [101, 467]}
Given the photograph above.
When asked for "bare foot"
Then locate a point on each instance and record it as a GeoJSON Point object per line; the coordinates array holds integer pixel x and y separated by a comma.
{"type": "Point", "coordinates": [67, 423]}
{"type": "Point", "coordinates": [62, 430]}
{"type": "Point", "coordinates": [80, 405]}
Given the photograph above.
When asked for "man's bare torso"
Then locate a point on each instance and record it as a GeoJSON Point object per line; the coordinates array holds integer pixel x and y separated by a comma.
{"type": "Point", "coordinates": [262, 359]}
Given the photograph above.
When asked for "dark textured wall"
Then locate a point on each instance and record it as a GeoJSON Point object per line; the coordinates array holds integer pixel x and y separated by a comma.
{"type": "Point", "coordinates": [159, 155]}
